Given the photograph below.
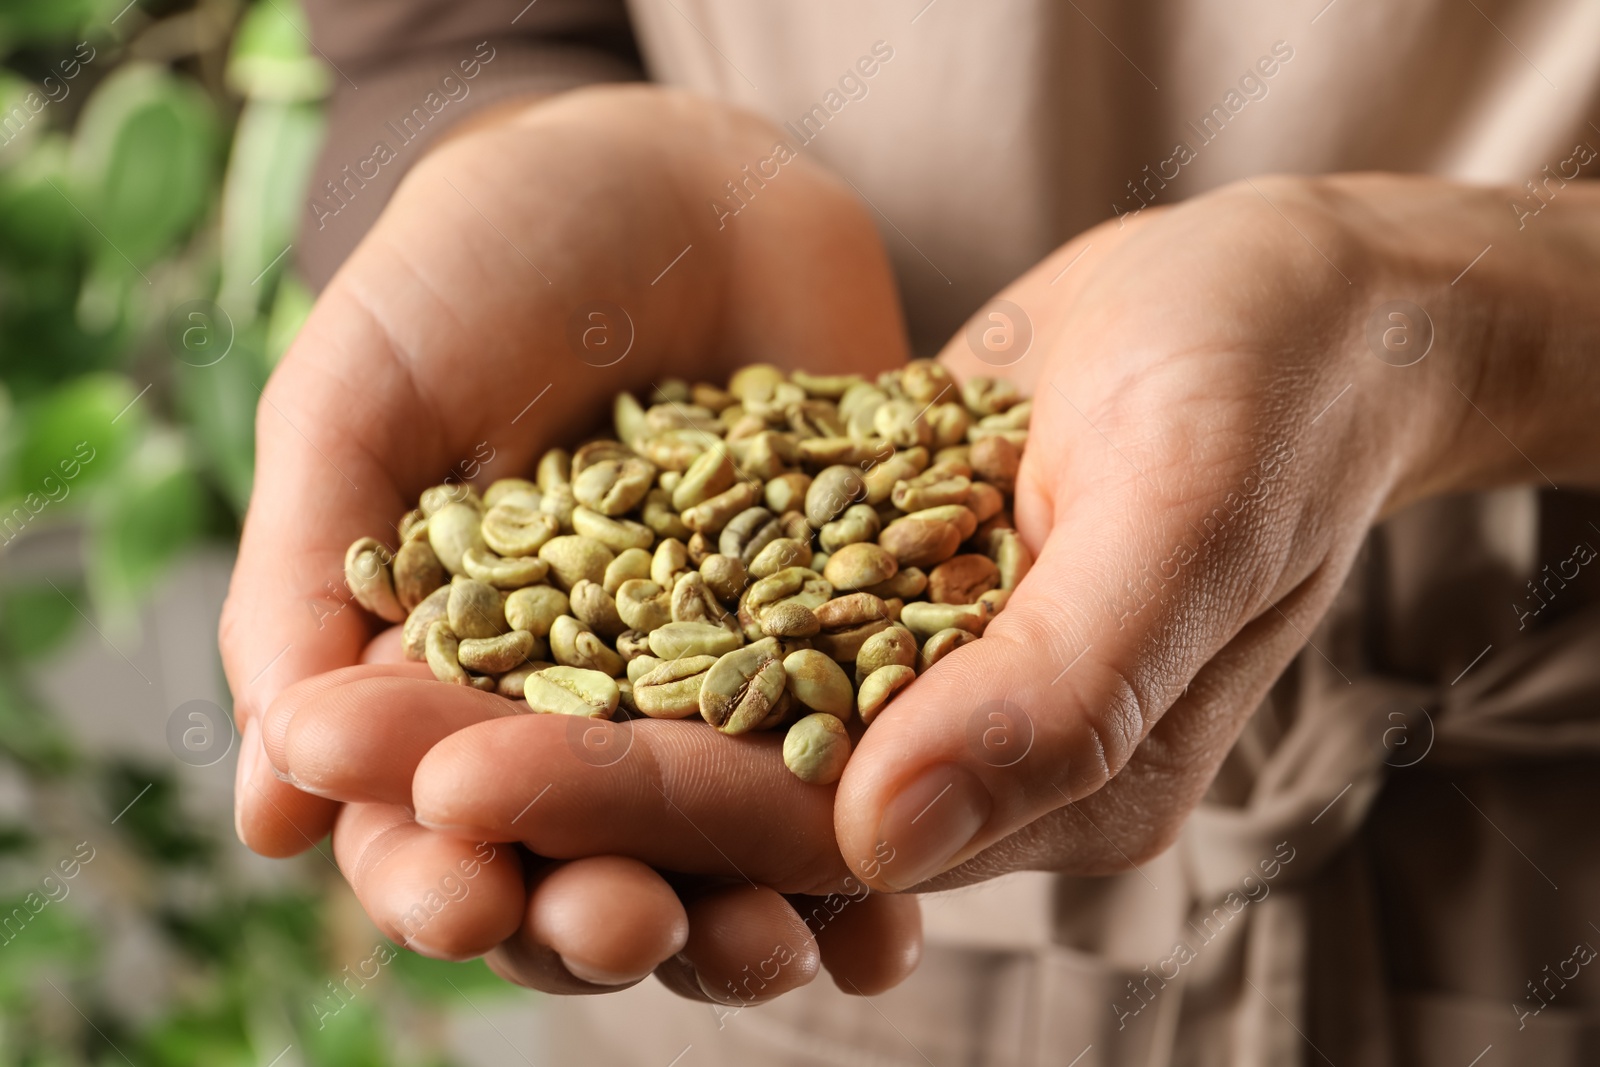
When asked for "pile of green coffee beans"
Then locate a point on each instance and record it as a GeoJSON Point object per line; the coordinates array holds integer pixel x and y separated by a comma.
{"type": "Point", "coordinates": [785, 553]}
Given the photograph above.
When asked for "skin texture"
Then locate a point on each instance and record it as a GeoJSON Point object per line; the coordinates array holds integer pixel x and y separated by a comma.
{"type": "Point", "coordinates": [1191, 353]}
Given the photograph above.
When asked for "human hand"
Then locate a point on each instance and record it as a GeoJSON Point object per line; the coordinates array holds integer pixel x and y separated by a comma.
{"type": "Point", "coordinates": [442, 349]}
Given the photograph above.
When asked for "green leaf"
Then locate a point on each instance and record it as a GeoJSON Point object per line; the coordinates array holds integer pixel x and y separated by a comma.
{"type": "Point", "coordinates": [219, 404]}
{"type": "Point", "coordinates": [37, 222]}
{"type": "Point", "coordinates": [36, 618]}
{"type": "Point", "coordinates": [71, 438]}
{"type": "Point", "coordinates": [271, 60]}
{"type": "Point", "coordinates": [156, 510]}
{"type": "Point", "coordinates": [29, 734]}
{"type": "Point", "coordinates": [289, 312]}
{"type": "Point", "coordinates": [54, 22]}
{"type": "Point", "coordinates": [263, 198]}
{"type": "Point", "coordinates": [441, 981]}
{"type": "Point", "coordinates": [144, 158]}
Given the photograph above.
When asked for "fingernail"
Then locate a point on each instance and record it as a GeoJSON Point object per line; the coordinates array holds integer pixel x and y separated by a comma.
{"type": "Point", "coordinates": [599, 976]}
{"type": "Point", "coordinates": [930, 822]}
{"type": "Point", "coordinates": [249, 751]}
{"type": "Point", "coordinates": [726, 996]}
{"type": "Point", "coordinates": [422, 948]}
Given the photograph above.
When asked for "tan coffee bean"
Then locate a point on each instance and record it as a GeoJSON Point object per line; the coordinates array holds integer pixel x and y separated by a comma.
{"type": "Point", "coordinates": [725, 576]}
{"type": "Point", "coordinates": [443, 655]}
{"type": "Point", "coordinates": [989, 396]}
{"type": "Point", "coordinates": [673, 450]}
{"type": "Point", "coordinates": [879, 687]}
{"type": "Point", "coordinates": [559, 502]}
{"type": "Point", "coordinates": [833, 490]}
{"type": "Point", "coordinates": [773, 588]}
{"type": "Point", "coordinates": [817, 681]}
{"type": "Point", "coordinates": [1014, 418]}
{"type": "Point", "coordinates": [413, 525]}
{"type": "Point", "coordinates": [816, 419]}
{"type": "Point", "coordinates": [847, 622]}
{"type": "Point", "coordinates": [643, 605]}
{"type": "Point", "coordinates": [573, 644]}
{"type": "Point", "coordinates": [564, 690]}
{"type": "Point", "coordinates": [677, 639]}
{"type": "Point", "coordinates": [816, 749]}
{"type": "Point", "coordinates": [950, 424]}
{"type": "Point", "coordinates": [436, 497]}
{"type": "Point", "coordinates": [452, 530]}
{"type": "Point", "coordinates": [907, 583]}
{"type": "Point", "coordinates": [985, 501]}
{"type": "Point", "coordinates": [858, 523]}
{"type": "Point", "coordinates": [555, 468]}
{"type": "Point", "coordinates": [612, 487]}
{"type": "Point", "coordinates": [573, 558]}
{"type": "Point", "coordinates": [671, 559]}
{"type": "Point", "coordinates": [414, 636]}
{"type": "Point", "coordinates": [859, 566]}
{"type": "Point", "coordinates": [788, 618]}
{"type": "Point", "coordinates": [1011, 557]}
{"type": "Point", "coordinates": [598, 451]}
{"type": "Point", "coordinates": [700, 546]}
{"type": "Point", "coordinates": [828, 387]}
{"type": "Point", "coordinates": [742, 689]}
{"type": "Point", "coordinates": [932, 488]}
{"type": "Point", "coordinates": [962, 579]}
{"type": "Point", "coordinates": [417, 572]}
{"type": "Point", "coordinates": [672, 690]}
{"type": "Point", "coordinates": [692, 601]}
{"type": "Point", "coordinates": [640, 666]}
{"type": "Point", "coordinates": [595, 608]}
{"type": "Point", "coordinates": [513, 529]}
{"type": "Point", "coordinates": [749, 378]}
{"type": "Point", "coordinates": [627, 417]}
{"type": "Point", "coordinates": [917, 542]}
{"type": "Point", "coordinates": [926, 380]}
{"type": "Point", "coordinates": [710, 396]}
{"type": "Point", "coordinates": [502, 572]}
{"type": "Point", "coordinates": [957, 455]}
{"type": "Point", "coordinates": [511, 683]}
{"type": "Point", "coordinates": [895, 646]}
{"type": "Point", "coordinates": [941, 644]}
{"type": "Point", "coordinates": [536, 608]}
{"type": "Point", "coordinates": [475, 609]}
{"type": "Point", "coordinates": [779, 553]}
{"type": "Point", "coordinates": [841, 451]}
{"type": "Point", "coordinates": [925, 619]}
{"type": "Point", "coordinates": [659, 515]}
{"type": "Point", "coordinates": [631, 644]}
{"type": "Point", "coordinates": [708, 475]}
{"type": "Point", "coordinates": [495, 655]}
{"type": "Point", "coordinates": [900, 422]}
{"type": "Point", "coordinates": [366, 573]}
{"type": "Point", "coordinates": [787, 492]}
{"type": "Point", "coordinates": [674, 391]}
{"type": "Point", "coordinates": [747, 533]}
{"type": "Point", "coordinates": [617, 535]}
{"type": "Point", "coordinates": [965, 522]}
{"type": "Point", "coordinates": [996, 460]}
{"type": "Point", "coordinates": [819, 561]}
{"type": "Point", "coordinates": [517, 490]}
{"type": "Point", "coordinates": [712, 515]}
{"type": "Point", "coordinates": [881, 479]}
{"type": "Point", "coordinates": [630, 563]}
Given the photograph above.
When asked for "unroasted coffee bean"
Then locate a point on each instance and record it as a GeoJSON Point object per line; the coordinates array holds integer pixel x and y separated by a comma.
{"type": "Point", "coordinates": [366, 573]}
{"type": "Point", "coordinates": [816, 749]}
{"type": "Point", "coordinates": [743, 687]}
{"type": "Point", "coordinates": [879, 687]}
{"type": "Point", "coordinates": [475, 609]}
{"type": "Point", "coordinates": [772, 551]}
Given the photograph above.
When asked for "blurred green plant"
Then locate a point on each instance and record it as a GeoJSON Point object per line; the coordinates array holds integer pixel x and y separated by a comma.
{"type": "Point", "coordinates": [153, 158]}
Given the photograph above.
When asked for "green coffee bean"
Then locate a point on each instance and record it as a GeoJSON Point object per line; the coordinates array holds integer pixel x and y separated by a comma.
{"type": "Point", "coordinates": [816, 749]}
{"type": "Point", "coordinates": [879, 687]}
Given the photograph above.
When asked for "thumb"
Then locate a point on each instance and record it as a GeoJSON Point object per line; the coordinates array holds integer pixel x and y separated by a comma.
{"type": "Point", "coordinates": [1127, 601]}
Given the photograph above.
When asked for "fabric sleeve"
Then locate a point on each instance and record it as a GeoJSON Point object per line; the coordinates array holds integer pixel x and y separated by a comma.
{"type": "Point", "coordinates": [406, 71]}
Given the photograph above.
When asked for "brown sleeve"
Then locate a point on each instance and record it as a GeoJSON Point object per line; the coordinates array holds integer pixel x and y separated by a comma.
{"type": "Point", "coordinates": [405, 71]}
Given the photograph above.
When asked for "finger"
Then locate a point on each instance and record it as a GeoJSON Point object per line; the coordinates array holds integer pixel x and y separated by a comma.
{"type": "Point", "coordinates": [593, 926]}
{"type": "Point", "coordinates": [746, 946]}
{"type": "Point", "coordinates": [440, 896]}
{"type": "Point", "coordinates": [870, 943]}
{"type": "Point", "coordinates": [676, 795]}
{"type": "Point", "coordinates": [275, 722]}
{"type": "Point", "coordinates": [358, 734]}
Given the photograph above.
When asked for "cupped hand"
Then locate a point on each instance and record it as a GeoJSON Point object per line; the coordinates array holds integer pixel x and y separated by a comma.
{"type": "Point", "coordinates": [458, 342]}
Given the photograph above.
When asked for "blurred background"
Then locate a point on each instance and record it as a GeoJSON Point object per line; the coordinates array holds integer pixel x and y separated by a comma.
{"type": "Point", "coordinates": [152, 168]}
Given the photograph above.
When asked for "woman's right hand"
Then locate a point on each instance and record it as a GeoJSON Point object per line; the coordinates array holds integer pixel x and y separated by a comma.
{"type": "Point", "coordinates": [523, 273]}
